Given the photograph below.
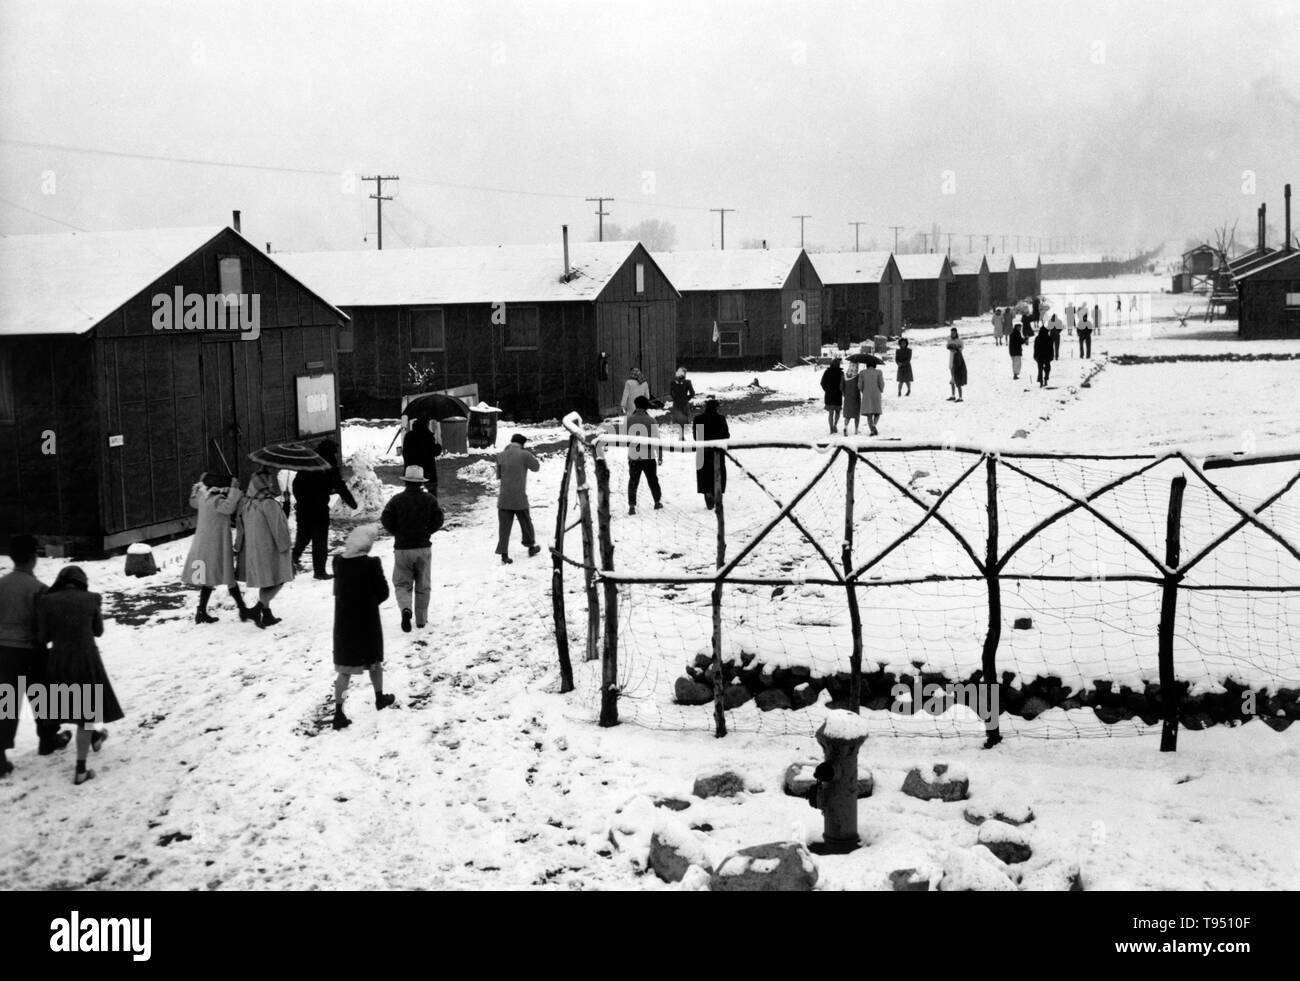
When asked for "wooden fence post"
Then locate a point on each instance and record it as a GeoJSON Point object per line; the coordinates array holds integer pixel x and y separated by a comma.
{"type": "Point", "coordinates": [588, 558]}
{"type": "Point", "coordinates": [557, 576]}
{"type": "Point", "coordinates": [1168, 609]}
{"type": "Point", "coordinates": [855, 615]}
{"type": "Point", "coordinates": [989, 662]}
{"type": "Point", "coordinates": [719, 718]}
{"type": "Point", "coordinates": [609, 652]}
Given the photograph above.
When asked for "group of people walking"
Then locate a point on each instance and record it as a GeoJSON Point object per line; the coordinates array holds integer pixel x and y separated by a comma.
{"type": "Point", "coordinates": [858, 390]}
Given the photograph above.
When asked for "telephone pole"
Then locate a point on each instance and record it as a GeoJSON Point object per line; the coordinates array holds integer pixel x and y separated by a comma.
{"type": "Point", "coordinates": [722, 215]}
{"type": "Point", "coordinates": [1004, 243]}
{"type": "Point", "coordinates": [949, 243]}
{"type": "Point", "coordinates": [986, 244]}
{"type": "Point", "coordinates": [379, 199]}
{"type": "Point", "coordinates": [896, 229]}
{"type": "Point", "coordinates": [801, 221]}
{"type": "Point", "coordinates": [925, 241]}
{"type": "Point", "coordinates": [601, 214]}
{"type": "Point", "coordinates": [857, 225]}
{"type": "Point", "coordinates": [970, 243]}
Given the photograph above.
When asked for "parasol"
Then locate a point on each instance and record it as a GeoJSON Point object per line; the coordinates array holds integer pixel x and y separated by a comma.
{"type": "Point", "coordinates": [867, 359]}
{"type": "Point", "coordinates": [290, 456]}
{"type": "Point", "coordinates": [434, 405]}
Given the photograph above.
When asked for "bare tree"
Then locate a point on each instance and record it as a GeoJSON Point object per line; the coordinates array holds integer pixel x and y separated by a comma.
{"type": "Point", "coordinates": [655, 235]}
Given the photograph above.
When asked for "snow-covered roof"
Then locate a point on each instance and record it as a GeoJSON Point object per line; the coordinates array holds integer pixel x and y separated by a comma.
{"type": "Point", "coordinates": [999, 262]}
{"type": "Point", "coordinates": [68, 282]}
{"type": "Point", "coordinates": [967, 265]}
{"type": "Point", "coordinates": [1278, 259]}
{"type": "Point", "coordinates": [728, 269]}
{"type": "Point", "coordinates": [1026, 260]}
{"type": "Point", "coordinates": [1073, 258]}
{"type": "Point", "coordinates": [923, 265]}
{"type": "Point", "coordinates": [843, 268]}
{"type": "Point", "coordinates": [460, 274]}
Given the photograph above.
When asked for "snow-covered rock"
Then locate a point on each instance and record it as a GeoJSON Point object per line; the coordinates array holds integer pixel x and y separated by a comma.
{"type": "Point", "coordinates": [1008, 809]}
{"type": "Point", "coordinates": [974, 870]}
{"type": "Point", "coordinates": [727, 783]}
{"type": "Point", "coordinates": [941, 782]}
{"type": "Point", "coordinates": [1006, 841]}
{"type": "Point", "coordinates": [674, 848]}
{"type": "Point", "coordinates": [780, 866]}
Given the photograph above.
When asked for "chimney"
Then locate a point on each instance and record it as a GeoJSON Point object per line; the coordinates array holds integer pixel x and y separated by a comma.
{"type": "Point", "coordinates": [235, 219]}
{"type": "Point", "coordinates": [268, 248]}
{"type": "Point", "coordinates": [565, 232]}
{"type": "Point", "coordinates": [1287, 194]}
{"type": "Point", "coordinates": [1263, 216]}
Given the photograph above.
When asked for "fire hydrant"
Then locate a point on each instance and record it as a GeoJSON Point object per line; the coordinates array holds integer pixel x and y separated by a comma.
{"type": "Point", "coordinates": [836, 791]}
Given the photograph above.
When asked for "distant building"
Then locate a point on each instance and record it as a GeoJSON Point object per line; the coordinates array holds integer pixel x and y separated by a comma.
{"type": "Point", "coordinates": [1029, 274]}
{"type": "Point", "coordinates": [745, 308]}
{"type": "Point", "coordinates": [862, 295]}
{"type": "Point", "coordinates": [1268, 298]}
{"type": "Point", "coordinates": [1078, 266]}
{"type": "Point", "coordinates": [1002, 279]}
{"type": "Point", "coordinates": [131, 362]}
{"type": "Point", "coordinates": [538, 340]}
{"type": "Point", "coordinates": [969, 294]}
{"type": "Point", "coordinates": [926, 277]}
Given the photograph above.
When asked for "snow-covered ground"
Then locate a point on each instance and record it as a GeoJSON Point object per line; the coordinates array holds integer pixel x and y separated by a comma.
{"type": "Point", "coordinates": [225, 774]}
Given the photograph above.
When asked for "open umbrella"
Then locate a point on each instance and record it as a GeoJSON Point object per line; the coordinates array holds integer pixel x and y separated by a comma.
{"type": "Point", "coordinates": [433, 405]}
{"type": "Point", "coordinates": [290, 456]}
{"type": "Point", "coordinates": [867, 359]}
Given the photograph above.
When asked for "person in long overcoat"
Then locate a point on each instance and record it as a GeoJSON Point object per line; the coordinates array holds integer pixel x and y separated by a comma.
{"type": "Point", "coordinates": [68, 619]}
{"type": "Point", "coordinates": [634, 386]}
{"type": "Point", "coordinates": [710, 424]}
{"type": "Point", "coordinates": [359, 590]}
{"type": "Point", "coordinates": [871, 387]}
{"type": "Point", "coordinates": [312, 490]}
{"type": "Point", "coordinates": [997, 326]}
{"type": "Point", "coordinates": [211, 559]}
{"type": "Point", "coordinates": [263, 545]}
{"type": "Point", "coordinates": [420, 449]}
{"type": "Point", "coordinates": [682, 392]}
{"type": "Point", "coordinates": [1016, 347]}
{"type": "Point", "coordinates": [852, 399]}
{"type": "Point", "coordinates": [514, 464]}
{"type": "Point", "coordinates": [832, 378]}
{"type": "Point", "coordinates": [903, 358]}
{"type": "Point", "coordinates": [1043, 355]}
{"type": "Point", "coordinates": [956, 366]}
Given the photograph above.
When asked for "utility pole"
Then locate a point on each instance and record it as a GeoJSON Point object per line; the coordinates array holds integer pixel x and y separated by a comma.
{"type": "Point", "coordinates": [801, 221]}
{"type": "Point", "coordinates": [601, 214]}
{"type": "Point", "coordinates": [986, 244]}
{"type": "Point", "coordinates": [896, 230]}
{"type": "Point", "coordinates": [1004, 243]}
{"type": "Point", "coordinates": [857, 226]}
{"type": "Point", "coordinates": [379, 199]}
{"type": "Point", "coordinates": [925, 241]}
{"type": "Point", "coordinates": [949, 243]}
{"type": "Point", "coordinates": [722, 215]}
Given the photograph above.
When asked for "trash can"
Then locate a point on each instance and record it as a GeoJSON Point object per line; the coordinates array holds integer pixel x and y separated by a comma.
{"type": "Point", "coordinates": [483, 426]}
{"type": "Point", "coordinates": [882, 343]}
{"type": "Point", "coordinates": [455, 435]}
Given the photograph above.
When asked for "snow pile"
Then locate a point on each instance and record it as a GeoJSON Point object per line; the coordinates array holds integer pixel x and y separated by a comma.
{"type": "Point", "coordinates": [974, 870]}
{"type": "Point", "coordinates": [364, 484]}
{"type": "Point", "coordinates": [479, 472]}
{"type": "Point", "coordinates": [841, 724]}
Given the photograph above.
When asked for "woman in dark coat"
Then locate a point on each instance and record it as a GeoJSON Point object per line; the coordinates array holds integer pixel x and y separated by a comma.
{"type": "Point", "coordinates": [359, 589]}
{"type": "Point", "coordinates": [681, 391]}
{"type": "Point", "coordinates": [956, 366]}
{"type": "Point", "coordinates": [832, 377]}
{"type": "Point", "coordinates": [710, 424]}
{"type": "Point", "coordinates": [903, 358]}
{"type": "Point", "coordinates": [1043, 355]}
{"type": "Point", "coordinates": [68, 620]}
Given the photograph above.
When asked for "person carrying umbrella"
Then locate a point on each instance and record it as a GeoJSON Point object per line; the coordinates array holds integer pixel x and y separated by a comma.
{"type": "Point", "coordinates": [262, 543]}
{"type": "Point", "coordinates": [312, 490]}
{"type": "Point", "coordinates": [412, 517]}
{"type": "Point", "coordinates": [421, 449]}
{"type": "Point", "coordinates": [211, 560]}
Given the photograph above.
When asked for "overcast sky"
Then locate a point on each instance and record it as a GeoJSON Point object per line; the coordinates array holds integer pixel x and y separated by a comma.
{"type": "Point", "coordinates": [1128, 122]}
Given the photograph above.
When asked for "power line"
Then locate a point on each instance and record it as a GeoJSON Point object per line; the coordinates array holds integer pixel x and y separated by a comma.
{"type": "Point", "coordinates": [57, 221]}
{"type": "Point", "coordinates": [379, 198]}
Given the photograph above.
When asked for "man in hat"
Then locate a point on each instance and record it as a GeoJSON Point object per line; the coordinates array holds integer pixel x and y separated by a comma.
{"type": "Point", "coordinates": [312, 490]}
{"type": "Point", "coordinates": [22, 657]}
{"type": "Point", "coordinates": [411, 517]}
{"type": "Point", "coordinates": [641, 458]}
{"type": "Point", "coordinates": [513, 464]}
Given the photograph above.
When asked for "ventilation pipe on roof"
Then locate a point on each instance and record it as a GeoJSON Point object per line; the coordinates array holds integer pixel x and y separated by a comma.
{"type": "Point", "coordinates": [268, 248]}
{"type": "Point", "coordinates": [1263, 216]}
{"type": "Point", "coordinates": [564, 230]}
{"type": "Point", "coordinates": [235, 219]}
{"type": "Point", "coordinates": [1287, 194]}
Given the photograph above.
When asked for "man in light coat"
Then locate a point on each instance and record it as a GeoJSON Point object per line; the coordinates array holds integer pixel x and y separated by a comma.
{"type": "Point", "coordinates": [513, 465]}
{"type": "Point", "coordinates": [634, 387]}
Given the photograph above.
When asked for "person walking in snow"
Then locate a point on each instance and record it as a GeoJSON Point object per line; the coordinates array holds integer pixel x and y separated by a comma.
{"type": "Point", "coordinates": [1054, 328]}
{"type": "Point", "coordinates": [997, 327]}
{"type": "Point", "coordinates": [852, 399]}
{"type": "Point", "coordinates": [832, 379]}
{"type": "Point", "coordinates": [68, 620]}
{"type": "Point", "coordinates": [903, 358]}
{"type": "Point", "coordinates": [420, 448]}
{"type": "Point", "coordinates": [1085, 336]}
{"type": "Point", "coordinates": [956, 366]}
{"type": "Point", "coordinates": [514, 463]}
{"type": "Point", "coordinates": [682, 392]}
{"type": "Point", "coordinates": [634, 386]}
{"type": "Point", "coordinates": [871, 387]}
{"type": "Point", "coordinates": [262, 544]}
{"type": "Point", "coordinates": [642, 459]}
{"type": "Point", "coordinates": [710, 424]}
{"type": "Point", "coordinates": [1016, 348]}
{"type": "Point", "coordinates": [359, 590]}
{"type": "Point", "coordinates": [210, 561]}
{"type": "Point", "coordinates": [1043, 355]}
{"type": "Point", "coordinates": [411, 517]}
{"type": "Point", "coordinates": [1008, 322]}
{"type": "Point", "coordinates": [312, 490]}
{"type": "Point", "coordinates": [1037, 309]}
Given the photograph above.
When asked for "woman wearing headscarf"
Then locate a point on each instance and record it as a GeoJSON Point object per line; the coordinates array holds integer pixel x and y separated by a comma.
{"type": "Point", "coordinates": [211, 560]}
{"type": "Point", "coordinates": [832, 380]}
{"type": "Point", "coordinates": [852, 398]}
{"type": "Point", "coordinates": [682, 391]}
{"type": "Point", "coordinates": [359, 590]}
{"type": "Point", "coordinates": [263, 544]}
{"type": "Point", "coordinates": [634, 386]}
{"type": "Point", "coordinates": [68, 620]}
{"type": "Point", "coordinates": [710, 424]}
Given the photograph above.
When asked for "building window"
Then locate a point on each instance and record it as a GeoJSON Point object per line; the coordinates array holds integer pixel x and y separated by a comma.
{"type": "Point", "coordinates": [1292, 289]}
{"type": "Point", "coordinates": [345, 340]}
{"type": "Point", "coordinates": [640, 277]}
{"type": "Point", "coordinates": [6, 387]}
{"type": "Point", "coordinates": [428, 332]}
{"type": "Point", "coordinates": [728, 343]}
{"type": "Point", "coordinates": [731, 308]}
{"type": "Point", "coordinates": [521, 329]}
{"type": "Point", "coordinates": [230, 275]}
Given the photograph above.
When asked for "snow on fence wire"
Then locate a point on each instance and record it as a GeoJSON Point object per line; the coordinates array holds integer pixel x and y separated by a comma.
{"type": "Point", "coordinates": [1090, 595]}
